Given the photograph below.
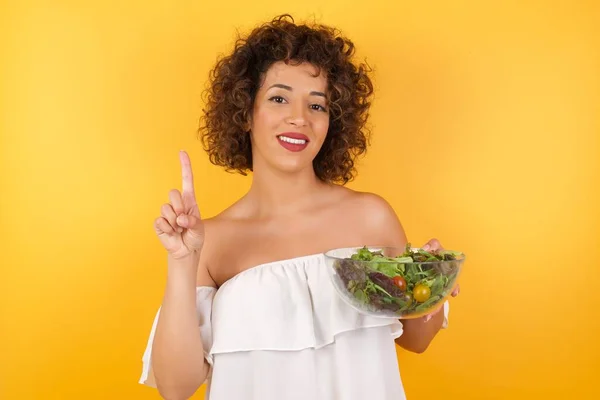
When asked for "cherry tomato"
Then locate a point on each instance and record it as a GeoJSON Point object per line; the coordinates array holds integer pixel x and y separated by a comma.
{"type": "Point", "coordinates": [400, 282]}
{"type": "Point", "coordinates": [421, 293]}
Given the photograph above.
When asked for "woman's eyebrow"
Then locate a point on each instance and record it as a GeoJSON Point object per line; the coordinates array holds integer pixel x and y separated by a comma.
{"type": "Point", "coordinates": [282, 86]}
{"type": "Point", "coordinates": [286, 87]}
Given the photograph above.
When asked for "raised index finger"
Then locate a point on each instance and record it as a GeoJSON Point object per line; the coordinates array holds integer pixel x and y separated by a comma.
{"type": "Point", "coordinates": [186, 174]}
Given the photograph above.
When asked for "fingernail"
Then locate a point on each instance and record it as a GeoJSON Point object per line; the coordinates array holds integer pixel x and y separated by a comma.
{"type": "Point", "coordinates": [426, 247]}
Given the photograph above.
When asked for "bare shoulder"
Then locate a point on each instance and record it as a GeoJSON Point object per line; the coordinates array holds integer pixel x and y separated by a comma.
{"type": "Point", "coordinates": [219, 234]}
{"type": "Point", "coordinates": [377, 210]}
{"type": "Point", "coordinates": [212, 232]}
{"type": "Point", "coordinates": [372, 203]}
{"type": "Point", "coordinates": [377, 216]}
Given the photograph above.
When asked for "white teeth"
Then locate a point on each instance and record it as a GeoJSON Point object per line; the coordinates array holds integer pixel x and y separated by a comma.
{"type": "Point", "coordinates": [293, 141]}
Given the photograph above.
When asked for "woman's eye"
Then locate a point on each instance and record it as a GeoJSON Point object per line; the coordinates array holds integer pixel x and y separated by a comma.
{"type": "Point", "coordinates": [318, 107]}
{"type": "Point", "coordinates": [277, 99]}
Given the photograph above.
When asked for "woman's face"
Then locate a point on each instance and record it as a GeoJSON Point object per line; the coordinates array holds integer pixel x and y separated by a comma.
{"type": "Point", "coordinates": [290, 118]}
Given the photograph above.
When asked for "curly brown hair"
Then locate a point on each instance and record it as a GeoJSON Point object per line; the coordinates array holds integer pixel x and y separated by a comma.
{"type": "Point", "coordinates": [236, 78]}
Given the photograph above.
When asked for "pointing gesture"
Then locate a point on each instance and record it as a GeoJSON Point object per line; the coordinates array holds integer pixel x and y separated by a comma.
{"type": "Point", "coordinates": [180, 228]}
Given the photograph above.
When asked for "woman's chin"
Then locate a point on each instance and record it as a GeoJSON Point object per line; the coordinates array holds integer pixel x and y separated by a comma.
{"type": "Point", "coordinates": [293, 167]}
{"type": "Point", "coordinates": [289, 163]}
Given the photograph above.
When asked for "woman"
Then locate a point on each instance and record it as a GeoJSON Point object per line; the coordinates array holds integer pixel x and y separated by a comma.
{"type": "Point", "coordinates": [248, 306]}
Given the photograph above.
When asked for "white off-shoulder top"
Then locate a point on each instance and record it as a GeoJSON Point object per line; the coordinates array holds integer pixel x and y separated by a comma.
{"type": "Point", "coordinates": [278, 331]}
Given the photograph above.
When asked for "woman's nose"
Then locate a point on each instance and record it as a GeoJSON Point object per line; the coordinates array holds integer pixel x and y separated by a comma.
{"type": "Point", "coordinates": [297, 116]}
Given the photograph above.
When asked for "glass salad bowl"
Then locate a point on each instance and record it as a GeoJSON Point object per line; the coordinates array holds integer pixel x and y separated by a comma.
{"type": "Point", "coordinates": [391, 282]}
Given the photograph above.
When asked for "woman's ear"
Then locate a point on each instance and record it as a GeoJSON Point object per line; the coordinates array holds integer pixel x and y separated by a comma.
{"type": "Point", "coordinates": [248, 124]}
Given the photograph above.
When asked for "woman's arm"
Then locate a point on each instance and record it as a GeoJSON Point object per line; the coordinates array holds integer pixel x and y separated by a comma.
{"type": "Point", "coordinates": [418, 333]}
{"type": "Point", "coordinates": [384, 227]}
{"type": "Point", "coordinates": [178, 364]}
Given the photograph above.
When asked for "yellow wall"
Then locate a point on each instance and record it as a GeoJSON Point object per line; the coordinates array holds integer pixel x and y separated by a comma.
{"type": "Point", "coordinates": [487, 136]}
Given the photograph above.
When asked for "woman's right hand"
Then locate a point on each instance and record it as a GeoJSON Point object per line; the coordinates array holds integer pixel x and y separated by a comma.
{"type": "Point", "coordinates": [180, 227]}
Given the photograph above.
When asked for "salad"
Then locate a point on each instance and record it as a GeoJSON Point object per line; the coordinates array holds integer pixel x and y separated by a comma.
{"type": "Point", "coordinates": [411, 283]}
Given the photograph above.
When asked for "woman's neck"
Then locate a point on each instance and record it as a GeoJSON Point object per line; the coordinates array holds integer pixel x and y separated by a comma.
{"type": "Point", "coordinates": [274, 193]}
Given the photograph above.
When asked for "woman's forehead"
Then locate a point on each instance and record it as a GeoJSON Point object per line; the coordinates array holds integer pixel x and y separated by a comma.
{"type": "Point", "coordinates": [305, 76]}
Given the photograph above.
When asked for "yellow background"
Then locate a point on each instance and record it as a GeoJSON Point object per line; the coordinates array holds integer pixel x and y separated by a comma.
{"type": "Point", "coordinates": [486, 128]}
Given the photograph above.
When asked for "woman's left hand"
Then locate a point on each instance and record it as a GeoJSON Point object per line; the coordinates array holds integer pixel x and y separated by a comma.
{"type": "Point", "coordinates": [433, 245]}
